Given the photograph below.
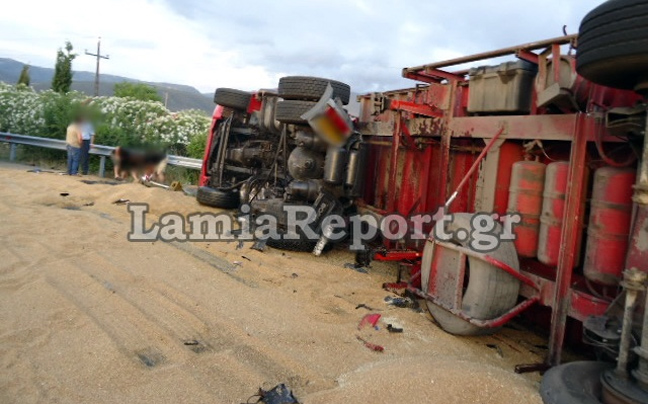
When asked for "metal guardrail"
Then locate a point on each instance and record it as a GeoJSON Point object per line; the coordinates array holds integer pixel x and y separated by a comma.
{"type": "Point", "coordinates": [99, 150]}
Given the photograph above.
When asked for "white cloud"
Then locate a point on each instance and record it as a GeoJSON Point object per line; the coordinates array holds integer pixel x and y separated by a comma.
{"type": "Point", "coordinates": [250, 45]}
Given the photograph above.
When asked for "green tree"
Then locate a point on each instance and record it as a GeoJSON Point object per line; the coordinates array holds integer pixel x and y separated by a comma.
{"type": "Point", "coordinates": [62, 80]}
{"type": "Point", "coordinates": [24, 76]}
{"type": "Point", "coordinates": [139, 91]}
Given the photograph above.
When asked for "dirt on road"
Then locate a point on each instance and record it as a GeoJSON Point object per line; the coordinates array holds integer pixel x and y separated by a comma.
{"type": "Point", "coordinates": [89, 317]}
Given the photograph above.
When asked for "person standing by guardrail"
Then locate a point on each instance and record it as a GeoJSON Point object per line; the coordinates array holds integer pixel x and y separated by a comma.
{"type": "Point", "coordinates": [74, 141]}
{"type": "Point", "coordinates": [87, 140]}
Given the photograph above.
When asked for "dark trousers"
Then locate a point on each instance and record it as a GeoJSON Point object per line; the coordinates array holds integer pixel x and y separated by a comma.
{"type": "Point", "coordinates": [84, 158]}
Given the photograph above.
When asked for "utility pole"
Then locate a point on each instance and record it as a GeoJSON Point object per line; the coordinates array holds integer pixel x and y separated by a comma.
{"type": "Point", "coordinates": [99, 56]}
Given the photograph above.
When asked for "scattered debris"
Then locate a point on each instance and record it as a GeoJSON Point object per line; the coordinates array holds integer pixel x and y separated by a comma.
{"type": "Point", "coordinates": [403, 302]}
{"type": "Point", "coordinates": [393, 329]}
{"type": "Point", "coordinates": [121, 201]}
{"type": "Point", "coordinates": [364, 257]}
{"type": "Point", "coordinates": [64, 193]}
{"type": "Point", "coordinates": [102, 182]}
{"type": "Point", "coordinates": [513, 347]}
{"type": "Point", "coordinates": [38, 171]}
{"type": "Point", "coordinates": [245, 258]}
{"type": "Point", "coordinates": [356, 267]}
{"type": "Point", "coordinates": [191, 342]}
{"type": "Point", "coordinates": [496, 347]}
{"type": "Point", "coordinates": [190, 190]}
{"type": "Point", "coordinates": [294, 275]}
{"type": "Point", "coordinates": [89, 204]}
{"type": "Point", "coordinates": [259, 245]}
{"type": "Point", "coordinates": [280, 394]}
{"type": "Point", "coordinates": [237, 263]}
{"type": "Point", "coordinates": [369, 319]}
{"type": "Point", "coordinates": [364, 306]}
{"type": "Point", "coordinates": [175, 186]}
{"type": "Point", "coordinates": [370, 345]}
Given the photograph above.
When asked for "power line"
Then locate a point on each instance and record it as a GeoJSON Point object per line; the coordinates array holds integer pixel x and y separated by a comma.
{"type": "Point", "coordinates": [99, 56]}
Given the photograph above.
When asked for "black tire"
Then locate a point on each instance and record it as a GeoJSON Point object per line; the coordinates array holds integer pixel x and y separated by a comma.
{"type": "Point", "coordinates": [311, 88]}
{"type": "Point", "coordinates": [572, 383]}
{"type": "Point", "coordinates": [218, 198]}
{"type": "Point", "coordinates": [231, 98]}
{"type": "Point", "coordinates": [613, 44]}
{"type": "Point", "coordinates": [490, 293]}
{"type": "Point", "coordinates": [290, 111]}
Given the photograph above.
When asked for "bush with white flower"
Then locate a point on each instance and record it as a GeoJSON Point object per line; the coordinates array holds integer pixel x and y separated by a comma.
{"type": "Point", "coordinates": [120, 121]}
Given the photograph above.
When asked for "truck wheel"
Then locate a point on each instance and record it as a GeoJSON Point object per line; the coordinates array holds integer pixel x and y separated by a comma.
{"type": "Point", "coordinates": [311, 88]}
{"type": "Point", "coordinates": [290, 111]}
{"type": "Point", "coordinates": [490, 292]}
{"type": "Point", "coordinates": [218, 198]}
{"type": "Point", "coordinates": [613, 44]}
{"type": "Point", "coordinates": [575, 382]}
{"type": "Point", "coordinates": [231, 98]}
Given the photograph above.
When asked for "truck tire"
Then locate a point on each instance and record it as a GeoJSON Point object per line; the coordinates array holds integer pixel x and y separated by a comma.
{"type": "Point", "coordinates": [311, 88]}
{"type": "Point", "coordinates": [218, 198]}
{"type": "Point", "coordinates": [290, 111]}
{"type": "Point", "coordinates": [574, 382]}
{"type": "Point", "coordinates": [613, 44]}
{"type": "Point", "coordinates": [490, 292]}
{"type": "Point", "coordinates": [231, 98]}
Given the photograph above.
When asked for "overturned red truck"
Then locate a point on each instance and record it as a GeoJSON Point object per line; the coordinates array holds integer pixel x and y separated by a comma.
{"type": "Point", "coordinates": [554, 134]}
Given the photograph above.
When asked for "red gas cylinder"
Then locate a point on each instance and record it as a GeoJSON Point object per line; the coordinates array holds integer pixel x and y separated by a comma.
{"type": "Point", "coordinates": [609, 225]}
{"type": "Point", "coordinates": [553, 209]}
{"type": "Point", "coordinates": [525, 199]}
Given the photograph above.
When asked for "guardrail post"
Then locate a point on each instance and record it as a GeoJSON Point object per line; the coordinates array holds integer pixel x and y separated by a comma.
{"type": "Point", "coordinates": [102, 166]}
{"type": "Point", "coordinates": [12, 152]}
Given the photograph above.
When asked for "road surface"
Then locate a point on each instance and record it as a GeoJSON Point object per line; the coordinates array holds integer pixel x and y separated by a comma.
{"type": "Point", "coordinates": [86, 316]}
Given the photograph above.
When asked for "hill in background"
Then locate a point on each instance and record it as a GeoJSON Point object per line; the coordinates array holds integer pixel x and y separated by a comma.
{"type": "Point", "coordinates": [179, 96]}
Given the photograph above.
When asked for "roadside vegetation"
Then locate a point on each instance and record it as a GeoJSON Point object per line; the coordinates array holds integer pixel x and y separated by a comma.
{"type": "Point", "coordinates": [134, 117]}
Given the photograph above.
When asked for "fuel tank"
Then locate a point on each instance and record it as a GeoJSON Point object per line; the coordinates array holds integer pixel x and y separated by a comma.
{"type": "Point", "coordinates": [609, 225]}
{"type": "Point", "coordinates": [525, 199]}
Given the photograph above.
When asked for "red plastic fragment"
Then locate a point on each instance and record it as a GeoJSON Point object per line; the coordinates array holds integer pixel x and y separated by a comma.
{"type": "Point", "coordinates": [369, 319]}
{"type": "Point", "coordinates": [370, 345]}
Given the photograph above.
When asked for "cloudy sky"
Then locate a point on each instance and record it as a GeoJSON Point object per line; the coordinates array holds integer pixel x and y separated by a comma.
{"type": "Point", "coordinates": [249, 44]}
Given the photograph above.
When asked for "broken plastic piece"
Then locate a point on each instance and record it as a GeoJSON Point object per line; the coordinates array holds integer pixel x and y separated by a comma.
{"type": "Point", "coordinates": [370, 345]}
{"type": "Point", "coordinates": [280, 394]}
{"type": "Point", "coordinates": [259, 245]}
{"type": "Point", "coordinates": [369, 319]}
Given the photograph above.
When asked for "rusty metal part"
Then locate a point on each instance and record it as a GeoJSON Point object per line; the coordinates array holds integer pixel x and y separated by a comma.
{"type": "Point", "coordinates": [641, 373]}
{"type": "Point", "coordinates": [617, 389]}
{"type": "Point", "coordinates": [451, 298]}
{"type": "Point", "coordinates": [568, 239]}
{"type": "Point", "coordinates": [638, 251]}
{"type": "Point", "coordinates": [472, 169]}
{"type": "Point", "coordinates": [492, 54]}
{"type": "Point", "coordinates": [633, 282]}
